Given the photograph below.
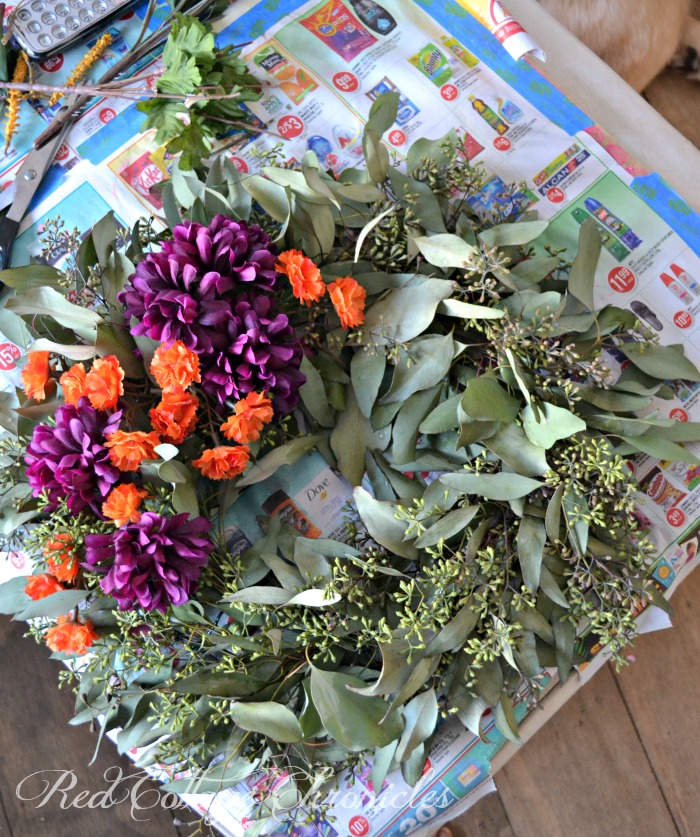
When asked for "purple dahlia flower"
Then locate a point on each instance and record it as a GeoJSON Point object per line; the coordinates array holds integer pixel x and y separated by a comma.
{"type": "Point", "coordinates": [258, 351]}
{"type": "Point", "coordinates": [154, 563]}
{"type": "Point", "coordinates": [184, 291]}
{"type": "Point", "coordinates": [70, 460]}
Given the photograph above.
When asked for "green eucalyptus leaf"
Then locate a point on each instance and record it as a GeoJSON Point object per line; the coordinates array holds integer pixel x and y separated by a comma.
{"type": "Point", "coordinates": [382, 525]}
{"type": "Point", "coordinates": [45, 302]}
{"type": "Point", "coordinates": [550, 424]}
{"type": "Point", "coordinates": [269, 718]}
{"type": "Point", "coordinates": [661, 362]}
{"type": "Point", "coordinates": [33, 276]}
{"type": "Point", "coordinates": [286, 454]}
{"type": "Point", "coordinates": [661, 448]}
{"type": "Point", "coordinates": [448, 526]}
{"type": "Point", "coordinates": [468, 311]}
{"type": "Point", "coordinates": [313, 395]}
{"type": "Point", "coordinates": [73, 352]}
{"type": "Point", "coordinates": [510, 444]}
{"type": "Point", "coordinates": [485, 399]}
{"type": "Point", "coordinates": [57, 604]}
{"type": "Point", "coordinates": [366, 373]}
{"type": "Point", "coordinates": [405, 312]}
{"type": "Point", "coordinates": [492, 486]}
{"type": "Point", "coordinates": [405, 432]}
{"type": "Point", "coordinates": [420, 717]}
{"type": "Point", "coordinates": [582, 273]}
{"type": "Point", "coordinates": [530, 540]}
{"type": "Point", "coordinates": [549, 584]}
{"type": "Point", "coordinates": [426, 365]}
{"type": "Point", "coordinates": [455, 633]}
{"type": "Point", "coordinates": [351, 437]}
{"type": "Point", "coordinates": [443, 417]}
{"type": "Point", "coordinates": [13, 599]}
{"type": "Point", "coordinates": [553, 516]}
{"type": "Point", "coordinates": [445, 250]}
{"type": "Point", "coordinates": [513, 235]}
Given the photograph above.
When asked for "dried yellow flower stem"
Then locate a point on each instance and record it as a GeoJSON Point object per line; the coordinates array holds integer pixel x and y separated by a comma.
{"type": "Point", "coordinates": [14, 97]}
{"type": "Point", "coordinates": [85, 64]}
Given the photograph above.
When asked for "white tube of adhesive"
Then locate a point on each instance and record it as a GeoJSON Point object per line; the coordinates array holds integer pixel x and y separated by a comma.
{"type": "Point", "coordinates": [499, 21]}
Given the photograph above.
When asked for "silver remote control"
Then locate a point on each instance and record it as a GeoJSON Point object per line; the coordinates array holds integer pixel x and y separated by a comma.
{"type": "Point", "coordinates": [43, 27]}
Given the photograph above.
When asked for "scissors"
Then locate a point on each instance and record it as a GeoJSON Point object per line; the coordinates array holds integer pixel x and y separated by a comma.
{"type": "Point", "coordinates": [27, 180]}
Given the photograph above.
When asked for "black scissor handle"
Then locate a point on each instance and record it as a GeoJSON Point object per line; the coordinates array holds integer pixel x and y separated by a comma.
{"type": "Point", "coordinates": [8, 232]}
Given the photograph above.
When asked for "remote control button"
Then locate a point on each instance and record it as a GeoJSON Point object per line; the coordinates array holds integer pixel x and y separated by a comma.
{"type": "Point", "coordinates": [62, 9]}
{"type": "Point", "coordinates": [75, 4]}
{"type": "Point", "coordinates": [72, 23]}
{"type": "Point", "coordinates": [99, 7]}
{"type": "Point", "coordinates": [49, 17]}
{"type": "Point", "coordinates": [85, 15]}
{"type": "Point", "coordinates": [44, 40]}
{"type": "Point", "coordinates": [59, 32]}
{"type": "Point", "coordinates": [34, 26]}
{"type": "Point", "coordinates": [38, 5]}
{"type": "Point", "coordinates": [24, 14]}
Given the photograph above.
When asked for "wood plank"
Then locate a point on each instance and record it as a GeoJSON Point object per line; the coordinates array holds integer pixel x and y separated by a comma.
{"type": "Point", "coordinates": [585, 774]}
{"type": "Point", "coordinates": [487, 818]}
{"type": "Point", "coordinates": [34, 736]}
{"type": "Point", "coordinates": [661, 691]}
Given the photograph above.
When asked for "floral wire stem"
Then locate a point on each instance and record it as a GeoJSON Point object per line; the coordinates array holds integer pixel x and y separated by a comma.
{"type": "Point", "coordinates": [14, 98]}
{"type": "Point", "coordinates": [84, 65]}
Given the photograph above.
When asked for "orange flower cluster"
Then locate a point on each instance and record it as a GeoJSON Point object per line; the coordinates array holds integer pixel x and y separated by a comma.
{"type": "Point", "coordinates": [250, 415]}
{"type": "Point", "coordinates": [128, 450]}
{"type": "Point", "coordinates": [305, 277]}
{"type": "Point", "coordinates": [175, 367]}
{"type": "Point", "coordinates": [175, 416]}
{"type": "Point", "coordinates": [102, 385]}
{"type": "Point", "coordinates": [41, 586]}
{"type": "Point", "coordinates": [61, 557]}
{"type": "Point", "coordinates": [69, 637]}
{"type": "Point", "coordinates": [347, 295]}
{"type": "Point", "coordinates": [348, 298]}
{"type": "Point", "coordinates": [36, 376]}
{"type": "Point", "coordinates": [122, 504]}
{"type": "Point", "coordinates": [223, 463]}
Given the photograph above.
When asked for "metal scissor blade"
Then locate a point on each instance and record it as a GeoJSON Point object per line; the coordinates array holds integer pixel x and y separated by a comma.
{"type": "Point", "coordinates": [34, 167]}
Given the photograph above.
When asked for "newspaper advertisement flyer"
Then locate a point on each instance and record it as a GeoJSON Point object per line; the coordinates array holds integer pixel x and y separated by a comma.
{"type": "Point", "coordinates": [324, 63]}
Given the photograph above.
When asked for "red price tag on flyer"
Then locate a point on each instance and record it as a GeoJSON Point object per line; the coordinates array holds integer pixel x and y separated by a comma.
{"type": "Point", "coordinates": [675, 517]}
{"type": "Point", "coordinates": [9, 353]}
{"type": "Point", "coordinates": [240, 164]}
{"type": "Point", "coordinates": [449, 92]}
{"type": "Point", "coordinates": [621, 279]}
{"type": "Point", "coordinates": [358, 826]}
{"type": "Point", "coordinates": [53, 64]}
{"type": "Point", "coordinates": [346, 82]}
{"type": "Point", "coordinates": [397, 137]}
{"type": "Point", "coordinates": [683, 319]}
{"type": "Point", "coordinates": [678, 414]}
{"type": "Point", "coordinates": [290, 126]}
{"type": "Point", "coordinates": [555, 195]}
{"type": "Point", "coordinates": [501, 143]}
{"type": "Point", "coordinates": [107, 115]}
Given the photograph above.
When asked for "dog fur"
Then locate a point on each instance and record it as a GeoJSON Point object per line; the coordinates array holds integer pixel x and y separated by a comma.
{"type": "Point", "coordinates": [637, 38]}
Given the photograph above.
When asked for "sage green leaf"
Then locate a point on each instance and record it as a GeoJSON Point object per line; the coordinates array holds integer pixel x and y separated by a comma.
{"type": "Point", "coordinates": [381, 485]}
{"type": "Point", "coordinates": [427, 364]}
{"type": "Point", "coordinates": [404, 313]}
{"type": "Point", "coordinates": [111, 339]}
{"type": "Point", "coordinates": [530, 540]}
{"type": "Point", "coordinates": [513, 235]}
{"type": "Point", "coordinates": [225, 774]}
{"type": "Point", "coordinates": [510, 444]}
{"type": "Point", "coordinates": [552, 519]}
{"type": "Point", "coordinates": [421, 674]}
{"type": "Point", "coordinates": [489, 682]}
{"type": "Point", "coordinates": [420, 717]}
{"type": "Point", "coordinates": [382, 525]}
{"type": "Point", "coordinates": [532, 271]}
{"type": "Point", "coordinates": [383, 112]}
{"type": "Point", "coordinates": [273, 198]}
{"type": "Point", "coordinates": [455, 633]}
{"type": "Point", "coordinates": [287, 575]}
{"type": "Point", "coordinates": [468, 311]}
{"type": "Point", "coordinates": [661, 362]}
{"type": "Point", "coordinates": [309, 720]}
{"type": "Point", "coordinates": [45, 302]}
{"type": "Point", "coordinates": [505, 720]}
{"type": "Point", "coordinates": [296, 182]}
{"type": "Point", "coordinates": [517, 371]}
{"type": "Point", "coordinates": [661, 448]}
{"type": "Point", "coordinates": [381, 764]}
{"type": "Point", "coordinates": [218, 684]}
{"type": "Point", "coordinates": [554, 423]}
{"type": "Point", "coordinates": [582, 274]}
{"type": "Point", "coordinates": [77, 351]}
{"type": "Point", "coordinates": [270, 718]}
{"type": "Point", "coordinates": [565, 638]}
{"type": "Point", "coordinates": [492, 486]}
{"type": "Point", "coordinates": [444, 250]}
{"type": "Point", "coordinates": [443, 417]}
{"type": "Point", "coordinates": [311, 561]}
{"type": "Point", "coordinates": [259, 595]}
{"type": "Point", "coordinates": [375, 154]}
{"type": "Point", "coordinates": [286, 454]}
{"type": "Point", "coordinates": [366, 373]}
{"type": "Point", "coordinates": [353, 720]}
{"type": "Point", "coordinates": [405, 431]}
{"type": "Point", "coordinates": [679, 431]}
{"type": "Point", "coordinates": [184, 499]}
{"type": "Point", "coordinates": [485, 399]}
{"type": "Point", "coordinates": [532, 306]}
{"type": "Point", "coordinates": [368, 227]}
{"type": "Point", "coordinates": [404, 488]}
{"type": "Point", "coordinates": [618, 402]}
{"type": "Point", "coordinates": [33, 276]}
{"type": "Point", "coordinates": [575, 509]}
{"type": "Point", "coordinates": [395, 670]}
{"type": "Point", "coordinates": [549, 585]}
{"type": "Point", "coordinates": [314, 598]}
{"type": "Point", "coordinates": [351, 437]}
{"type": "Point", "coordinates": [313, 395]}
{"type": "Point", "coordinates": [14, 328]}
{"type": "Point", "coordinates": [532, 620]}
{"type": "Point", "coordinates": [57, 604]}
{"type": "Point", "coordinates": [12, 596]}
{"type": "Point", "coordinates": [526, 655]}
{"type": "Point", "coordinates": [449, 525]}
{"type": "Point", "coordinates": [431, 149]}
{"type": "Point", "coordinates": [175, 472]}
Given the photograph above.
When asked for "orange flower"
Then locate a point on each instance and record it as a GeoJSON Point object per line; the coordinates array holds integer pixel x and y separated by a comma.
{"type": "Point", "coordinates": [348, 298]}
{"type": "Point", "coordinates": [61, 558]}
{"type": "Point", "coordinates": [122, 504]}
{"type": "Point", "coordinates": [175, 417]}
{"type": "Point", "coordinates": [128, 450]}
{"type": "Point", "coordinates": [223, 463]}
{"type": "Point", "coordinates": [104, 383]}
{"type": "Point", "coordinates": [73, 383]}
{"type": "Point", "coordinates": [70, 637]}
{"type": "Point", "coordinates": [251, 413]}
{"type": "Point", "coordinates": [175, 367]}
{"type": "Point", "coordinates": [41, 586]}
{"type": "Point", "coordinates": [36, 376]}
{"type": "Point", "coordinates": [307, 285]}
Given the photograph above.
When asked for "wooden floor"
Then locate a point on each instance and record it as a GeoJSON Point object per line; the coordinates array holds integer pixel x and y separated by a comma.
{"type": "Point", "coordinates": [621, 759]}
